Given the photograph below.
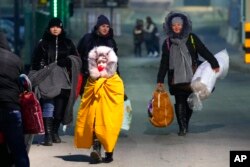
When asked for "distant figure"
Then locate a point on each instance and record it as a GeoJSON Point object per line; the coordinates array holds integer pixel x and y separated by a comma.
{"type": "Point", "coordinates": [151, 38]}
{"type": "Point", "coordinates": [138, 37]}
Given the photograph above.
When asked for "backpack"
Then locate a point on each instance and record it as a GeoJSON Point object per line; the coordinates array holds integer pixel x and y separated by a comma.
{"type": "Point", "coordinates": [160, 109]}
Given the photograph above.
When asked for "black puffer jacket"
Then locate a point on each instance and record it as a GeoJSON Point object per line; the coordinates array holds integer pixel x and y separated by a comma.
{"type": "Point", "coordinates": [45, 52]}
{"type": "Point", "coordinates": [11, 67]}
{"type": "Point", "coordinates": [195, 47]}
{"type": "Point", "coordinates": [91, 40]}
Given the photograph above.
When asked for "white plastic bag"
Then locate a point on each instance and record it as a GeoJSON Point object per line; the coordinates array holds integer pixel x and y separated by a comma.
{"type": "Point", "coordinates": [204, 75]}
{"type": "Point", "coordinates": [127, 118]}
{"type": "Point", "coordinates": [194, 102]}
{"type": "Point", "coordinates": [205, 78]}
{"type": "Point", "coordinates": [223, 60]}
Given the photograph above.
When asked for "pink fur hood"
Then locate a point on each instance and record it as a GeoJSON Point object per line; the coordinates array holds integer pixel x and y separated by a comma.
{"type": "Point", "coordinates": [111, 57]}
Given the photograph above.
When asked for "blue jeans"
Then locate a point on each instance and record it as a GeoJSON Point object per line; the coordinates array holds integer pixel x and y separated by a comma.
{"type": "Point", "coordinates": [48, 107]}
{"type": "Point", "coordinates": [11, 126]}
{"type": "Point", "coordinates": [54, 107]}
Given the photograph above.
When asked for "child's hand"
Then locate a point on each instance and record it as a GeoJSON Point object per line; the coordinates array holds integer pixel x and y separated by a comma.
{"type": "Point", "coordinates": [104, 74]}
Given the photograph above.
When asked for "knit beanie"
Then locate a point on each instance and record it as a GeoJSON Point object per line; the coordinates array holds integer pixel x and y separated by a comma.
{"type": "Point", "coordinates": [102, 20]}
{"type": "Point", "coordinates": [55, 22]}
{"type": "Point", "coordinates": [177, 20]}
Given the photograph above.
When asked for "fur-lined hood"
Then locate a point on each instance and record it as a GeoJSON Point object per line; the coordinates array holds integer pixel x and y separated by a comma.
{"type": "Point", "coordinates": [187, 24]}
{"type": "Point", "coordinates": [111, 57]}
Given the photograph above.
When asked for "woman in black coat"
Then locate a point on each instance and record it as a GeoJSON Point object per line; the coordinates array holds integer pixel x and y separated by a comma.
{"type": "Point", "coordinates": [180, 59]}
{"type": "Point", "coordinates": [54, 47]}
{"type": "Point", "coordinates": [101, 35]}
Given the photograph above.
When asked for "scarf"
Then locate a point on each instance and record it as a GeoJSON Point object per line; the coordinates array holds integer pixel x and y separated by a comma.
{"type": "Point", "coordinates": [180, 61]}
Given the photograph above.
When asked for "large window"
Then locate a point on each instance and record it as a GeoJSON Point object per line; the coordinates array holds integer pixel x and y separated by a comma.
{"type": "Point", "coordinates": [104, 3]}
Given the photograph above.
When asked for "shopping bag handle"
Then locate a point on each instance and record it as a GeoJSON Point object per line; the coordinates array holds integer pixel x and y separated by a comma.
{"type": "Point", "coordinates": [160, 88]}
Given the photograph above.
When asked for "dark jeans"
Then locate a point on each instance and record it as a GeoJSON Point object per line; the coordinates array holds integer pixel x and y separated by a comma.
{"type": "Point", "coordinates": [137, 49]}
{"type": "Point", "coordinates": [5, 156]}
{"type": "Point", "coordinates": [12, 129]}
{"type": "Point", "coordinates": [153, 45]}
{"type": "Point", "coordinates": [149, 46]}
{"type": "Point", "coordinates": [157, 44]}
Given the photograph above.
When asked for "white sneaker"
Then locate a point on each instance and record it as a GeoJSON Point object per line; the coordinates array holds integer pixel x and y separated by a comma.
{"type": "Point", "coordinates": [155, 54]}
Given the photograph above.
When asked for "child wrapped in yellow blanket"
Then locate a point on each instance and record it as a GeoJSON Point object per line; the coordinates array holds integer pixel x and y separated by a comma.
{"type": "Point", "coordinates": [100, 113]}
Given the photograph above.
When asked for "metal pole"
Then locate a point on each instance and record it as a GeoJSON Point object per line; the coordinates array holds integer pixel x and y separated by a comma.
{"type": "Point", "coordinates": [33, 26]}
{"type": "Point", "coordinates": [16, 28]}
{"type": "Point", "coordinates": [111, 16]}
{"type": "Point", "coordinates": [242, 16]}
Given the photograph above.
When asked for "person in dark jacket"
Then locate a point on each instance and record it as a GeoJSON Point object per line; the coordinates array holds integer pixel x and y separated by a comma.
{"type": "Point", "coordinates": [151, 38]}
{"type": "Point", "coordinates": [180, 59]}
{"type": "Point", "coordinates": [11, 127]}
{"type": "Point", "coordinates": [101, 35]}
{"type": "Point", "coordinates": [138, 37]}
{"type": "Point", "coordinates": [54, 47]}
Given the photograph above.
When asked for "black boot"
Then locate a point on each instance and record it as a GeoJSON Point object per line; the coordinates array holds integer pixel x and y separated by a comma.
{"type": "Point", "coordinates": [96, 153]}
{"type": "Point", "coordinates": [108, 157]}
{"type": "Point", "coordinates": [48, 125]}
{"type": "Point", "coordinates": [180, 111]}
{"type": "Point", "coordinates": [55, 135]}
{"type": "Point", "coordinates": [189, 115]}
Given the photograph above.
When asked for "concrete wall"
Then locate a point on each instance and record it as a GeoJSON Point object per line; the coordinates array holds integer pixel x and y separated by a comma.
{"type": "Point", "coordinates": [247, 6]}
{"type": "Point", "coordinates": [220, 3]}
{"type": "Point", "coordinates": [6, 3]}
{"type": "Point", "coordinates": [232, 29]}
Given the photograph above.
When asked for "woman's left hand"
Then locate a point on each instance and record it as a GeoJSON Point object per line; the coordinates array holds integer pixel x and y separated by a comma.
{"type": "Point", "coordinates": [216, 69]}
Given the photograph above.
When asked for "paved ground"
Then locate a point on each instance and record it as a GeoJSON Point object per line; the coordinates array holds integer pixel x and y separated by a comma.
{"type": "Point", "coordinates": [221, 126]}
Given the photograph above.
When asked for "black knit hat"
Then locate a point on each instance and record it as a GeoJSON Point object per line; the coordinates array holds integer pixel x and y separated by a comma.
{"type": "Point", "coordinates": [55, 22]}
{"type": "Point", "coordinates": [102, 20]}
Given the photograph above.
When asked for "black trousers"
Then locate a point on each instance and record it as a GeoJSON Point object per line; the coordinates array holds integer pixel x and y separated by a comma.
{"type": "Point", "coordinates": [5, 156]}
{"type": "Point", "coordinates": [60, 103]}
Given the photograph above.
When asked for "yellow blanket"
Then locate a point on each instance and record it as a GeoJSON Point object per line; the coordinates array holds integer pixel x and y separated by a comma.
{"type": "Point", "coordinates": [100, 111]}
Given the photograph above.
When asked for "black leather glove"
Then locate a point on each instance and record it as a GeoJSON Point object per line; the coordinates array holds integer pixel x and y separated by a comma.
{"type": "Point", "coordinates": [125, 97]}
{"type": "Point", "coordinates": [65, 62]}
